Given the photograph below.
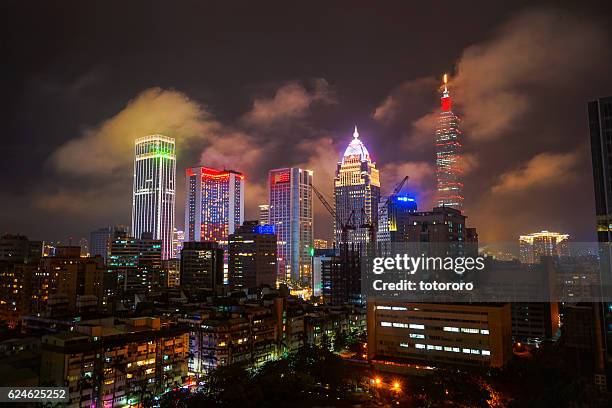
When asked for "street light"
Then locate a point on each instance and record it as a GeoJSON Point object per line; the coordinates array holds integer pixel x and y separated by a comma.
{"type": "Point", "coordinates": [396, 386]}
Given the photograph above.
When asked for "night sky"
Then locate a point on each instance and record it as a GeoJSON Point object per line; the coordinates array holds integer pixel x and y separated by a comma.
{"type": "Point", "coordinates": [257, 85]}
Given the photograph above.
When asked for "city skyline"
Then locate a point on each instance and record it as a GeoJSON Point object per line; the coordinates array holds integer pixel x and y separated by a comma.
{"type": "Point", "coordinates": [399, 204]}
{"type": "Point", "coordinates": [299, 115]}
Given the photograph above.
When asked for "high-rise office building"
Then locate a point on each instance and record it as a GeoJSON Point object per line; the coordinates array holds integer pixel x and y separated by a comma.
{"type": "Point", "coordinates": [357, 193]}
{"type": "Point", "coordinates": [538, 244]}
{"type": "Point", "coordinates": [393, 214]}
{"type": "Point", "coordinates": [154, 189]}
{"type": "Point", "coordinates": [323, 261]}
{"type": "Point", "coordinates": [264, 214]}
{"type": "Point", "coordinates": [252, 256]}
{"type": "Point", "coordinates": [201, 265]}
{"type": "Point", "coordinates": [178, 237]}
{"type": "Point", "coordinates": [600, 129]}
{"type": "Point", "coordinates": [449, 170]}
{"type": "Point", "coordinates": [100, 239]}
{"type": "Point", "coordinates": [439, 334]}
{"type": "Point", "coordinates": [290, 194]}
{"type": "Point", "coordinates": [134, 265]}
{"type": "Point", "coordinates": [214, 204]}
{"type": "Point", "coordinates": [338, 275]}
{"type": "Point", "coordinates": [441, 224]}
{"type": "Point", "coordinates": [600, 126]}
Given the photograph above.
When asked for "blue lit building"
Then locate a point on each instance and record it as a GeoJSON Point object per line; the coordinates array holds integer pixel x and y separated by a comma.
{"type": "Point", "coordinates": [393, 214]}
{"type": "Point", "coordinates": [252, 256]}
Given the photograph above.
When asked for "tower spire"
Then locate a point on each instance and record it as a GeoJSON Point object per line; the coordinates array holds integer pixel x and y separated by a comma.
{"type": "Point", "coordinates": [446, 94]}
{"type": "Point", "coordinates": [356, 133]}
{"type": "Point", "coordinates": [446, 99]}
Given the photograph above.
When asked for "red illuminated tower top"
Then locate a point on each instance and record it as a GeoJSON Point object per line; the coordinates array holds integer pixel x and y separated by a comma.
{"type": "Point", "coordinates": [446, 99]}
{"type": "Point", "coordinates": [449, 171]}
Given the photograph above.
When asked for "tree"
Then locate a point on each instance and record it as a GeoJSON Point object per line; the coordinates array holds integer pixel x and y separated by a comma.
{"type": "Point", "coordinates": [453, 389]}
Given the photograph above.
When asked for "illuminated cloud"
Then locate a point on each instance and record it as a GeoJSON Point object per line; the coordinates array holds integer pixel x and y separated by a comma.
{"type": "Point", "coordinates": [493, 88]}
{"type": "Point", "coordinates": [109, 147]}
{"type": "Point", "coordinates": [290, 101]}
{"type": "Point", "coordinates": [233, 150]}
{"type": "Point", "coordinates": [399, 101]}
{"type": "Point", "coordinates": [545, 169]}
{"type": "Point", "coordinates": [544, 48]}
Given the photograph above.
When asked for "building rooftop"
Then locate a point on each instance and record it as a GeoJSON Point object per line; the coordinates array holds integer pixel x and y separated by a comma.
{"type": "Point", "coordinates": [356, 148]}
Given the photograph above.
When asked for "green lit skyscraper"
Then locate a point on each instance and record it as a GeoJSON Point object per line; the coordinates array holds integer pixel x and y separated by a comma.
{"type": "Point", "coordinates": [154, 189]}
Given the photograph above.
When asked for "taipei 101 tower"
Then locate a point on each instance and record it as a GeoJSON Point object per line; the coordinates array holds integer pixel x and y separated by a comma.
{"type": "Point", "coordinates": [449, 170]}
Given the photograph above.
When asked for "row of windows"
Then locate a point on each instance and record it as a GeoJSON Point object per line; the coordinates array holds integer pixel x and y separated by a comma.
{"type": "Point", "coordinates": [469, 330]}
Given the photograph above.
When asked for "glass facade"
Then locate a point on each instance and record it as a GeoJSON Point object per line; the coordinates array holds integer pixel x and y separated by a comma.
{"type": "Point", "coordinates": [290, 212]}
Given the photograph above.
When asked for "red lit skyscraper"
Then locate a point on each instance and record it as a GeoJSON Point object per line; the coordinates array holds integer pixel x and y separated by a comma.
{"type": "Point", "coordinates": [290, 212]}
{"type": "Point", "coordinates": [449, 171]}
{"type": "Point", "coordinates": [214, 205]}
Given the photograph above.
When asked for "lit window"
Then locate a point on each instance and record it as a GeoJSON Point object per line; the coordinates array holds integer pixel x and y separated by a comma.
{"type": "Point", "coordinates": [417, 326]}
{"type": "Point", "coordinates": [469, 330]}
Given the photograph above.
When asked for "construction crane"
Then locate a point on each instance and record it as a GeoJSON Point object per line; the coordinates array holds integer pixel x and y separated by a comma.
{"type": "Point", "coordinates": [345, 226]}
{"type": "Point", "coordinates": [396, 191]}
{"type": "Point", "coordinates": [367, 223]}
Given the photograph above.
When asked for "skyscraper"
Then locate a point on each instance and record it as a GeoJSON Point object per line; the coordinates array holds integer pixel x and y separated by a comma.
{"type": "Point", "coordinates": [538, 244]}
{"type": "Point", "coordinates": [290, 213]}
{"type": "Point", "coordinates": [214, 204]}
{"type": "Point", "coordinates": [201, 265]}
{"type": "Point", "coordinates": [393, 212]}
{"type": "Point", "coordinates": [178, 237]}
{"type": "Point", "coordinates": [357, 192]}
{"type": "Point", "coordinates": [600, 125]}
{"type": "Point", "coordinates": [441, 224]}
{"type": "Point", "coordinates": [449, 171]}
{"type": "Point", "coordinates": [600, 129]}
{"type": "Point", "coordinates": [252, 256]}
{"type": "Point", "coordinates": [154, 189]}
{"type": "Point", "coordinates": [264, 214]}
{"type": "Point", "coordinates": [134, 264]}
{"type": "Point", "coordinates": [99, 240]}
